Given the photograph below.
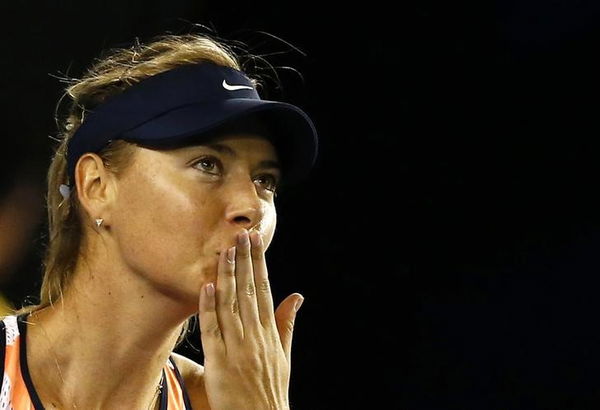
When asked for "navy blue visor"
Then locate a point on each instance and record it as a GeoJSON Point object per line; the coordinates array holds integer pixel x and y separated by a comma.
{"type": "Point", "coordinates": [185, 106]}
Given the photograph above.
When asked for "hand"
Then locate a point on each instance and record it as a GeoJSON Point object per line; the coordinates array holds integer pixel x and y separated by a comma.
{"type": "Point", "coordinates": [246, 345]}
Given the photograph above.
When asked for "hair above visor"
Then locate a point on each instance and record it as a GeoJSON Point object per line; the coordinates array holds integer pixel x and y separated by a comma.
{"type": "Point", "coordinates": [184, 105]}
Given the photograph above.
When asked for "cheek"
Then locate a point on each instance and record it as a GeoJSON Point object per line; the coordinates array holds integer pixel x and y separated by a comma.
{"type": "Point", "coordinates": [269, 225]}
{"type": "Point", "coordinates": [160, 228]}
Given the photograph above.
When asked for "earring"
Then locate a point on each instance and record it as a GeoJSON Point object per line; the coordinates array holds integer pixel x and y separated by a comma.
{"type": "Point", "coordinates": [99, 222]}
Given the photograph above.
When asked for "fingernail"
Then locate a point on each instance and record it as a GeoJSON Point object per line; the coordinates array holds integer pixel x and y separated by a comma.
{"type": "Point", "coordinates": [243, 237]}
{"type": "Point", "coordinates": [210, 289]}
{"type": "Point", "coordinates": [255, 238]}
{"type": "Point", "coordinates": [298, 304]}
{"type": "Point", "coordinates": [231, 254]}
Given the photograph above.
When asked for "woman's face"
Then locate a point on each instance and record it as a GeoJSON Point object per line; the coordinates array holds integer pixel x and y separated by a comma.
{"type": "Point", "coordinates": [176, 210]}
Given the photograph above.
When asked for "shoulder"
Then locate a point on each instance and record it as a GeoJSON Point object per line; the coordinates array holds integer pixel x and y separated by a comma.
{"type": "Point", "coordinates": [188, 368]}
{"type": "Point", "coordinates": [193, 377]}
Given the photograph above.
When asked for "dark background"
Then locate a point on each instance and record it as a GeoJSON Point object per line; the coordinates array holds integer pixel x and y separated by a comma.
{"type": "Point", "coordinates": [446, 242]}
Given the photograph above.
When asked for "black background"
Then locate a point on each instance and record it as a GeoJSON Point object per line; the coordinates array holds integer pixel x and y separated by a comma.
{"type": "Point", "coordinates": [446, 241]}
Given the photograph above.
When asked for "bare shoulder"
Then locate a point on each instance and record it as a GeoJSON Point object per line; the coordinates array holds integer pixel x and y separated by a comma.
{"type": "Point", "coordinates": [189, 369]}
{"type": "Point", "coordinates": [193, 377]}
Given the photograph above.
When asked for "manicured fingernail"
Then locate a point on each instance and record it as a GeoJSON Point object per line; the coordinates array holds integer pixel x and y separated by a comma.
{"type": "Point", "coordinates": [243, 237]}
{"type": "Point", "coordinates": [298, 304]}
{"type": "Point", "coordinates": [255, 238]}
{"type": "Point", "coordinates": [210, 289]}
{"type": "Point", "coordinates": [231, 254]}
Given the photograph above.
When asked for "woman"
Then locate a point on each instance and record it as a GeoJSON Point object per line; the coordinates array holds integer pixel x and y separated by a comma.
{"type": "Point", "coordinates": [161, 206]}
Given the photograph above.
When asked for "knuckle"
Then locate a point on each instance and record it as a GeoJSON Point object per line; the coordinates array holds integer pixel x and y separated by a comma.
{"type": "Point", "coordinates": [234, 306]}
{"type": "Point", "coordinates": [250, 290]}
{"type": "Point", "coordinates": [264, 286]}
{"type": "Point", "coordinates": [289, 325]}
{"type": "Point", "coordinates": [212, 330]}
{"type": "Point", "coordinates": [230, 303]}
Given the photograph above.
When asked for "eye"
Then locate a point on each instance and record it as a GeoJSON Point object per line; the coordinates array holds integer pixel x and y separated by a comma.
{"type": "Point", "coordinates": [269, 181]}
{"type": "Point", "coordinates": [207, 164]}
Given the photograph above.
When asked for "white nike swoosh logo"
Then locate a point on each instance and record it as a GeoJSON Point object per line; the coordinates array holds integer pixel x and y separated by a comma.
{"type": "Point", "coordinates": [235, 87]}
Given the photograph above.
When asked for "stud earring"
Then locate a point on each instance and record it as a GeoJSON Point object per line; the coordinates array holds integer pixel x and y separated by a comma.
{"type": "Point", "coordinates": [99, 222]}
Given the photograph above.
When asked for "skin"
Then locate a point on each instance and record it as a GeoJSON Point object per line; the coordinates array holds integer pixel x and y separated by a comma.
{"type": "Point", "coordinates": [159, 257]}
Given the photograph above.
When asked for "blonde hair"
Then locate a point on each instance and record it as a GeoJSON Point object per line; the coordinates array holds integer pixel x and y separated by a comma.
{"type": "Point", "coordinates": [117, 71]}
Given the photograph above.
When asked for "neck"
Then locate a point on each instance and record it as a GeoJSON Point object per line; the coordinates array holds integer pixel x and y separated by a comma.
{"type": "Point", "coordinates": [107, 343]}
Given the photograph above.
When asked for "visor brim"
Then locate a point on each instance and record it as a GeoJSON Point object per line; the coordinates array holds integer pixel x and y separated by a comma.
{"type": "Point", "coordinates": [291, 131]}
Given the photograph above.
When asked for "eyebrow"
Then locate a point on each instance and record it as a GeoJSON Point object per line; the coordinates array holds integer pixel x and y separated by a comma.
{"type": "Point", "coordinates": [227, 150]}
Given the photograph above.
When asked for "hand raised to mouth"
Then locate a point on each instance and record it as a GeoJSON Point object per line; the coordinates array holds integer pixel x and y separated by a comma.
{"type": "Point", "coordinates": [247, 345]}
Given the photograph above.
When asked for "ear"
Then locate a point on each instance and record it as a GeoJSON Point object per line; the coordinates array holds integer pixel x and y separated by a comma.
{"type": "Point", "coordinates": [95, 187]}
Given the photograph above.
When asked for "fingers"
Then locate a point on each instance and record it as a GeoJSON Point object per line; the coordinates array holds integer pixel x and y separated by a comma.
{"type": "Point", "coordinates": [241, 303]}
{"type": "Point", "coordinates": [245, 285]}
{"type": "Point", "coordinates": [227, 304]}
{"type": "Point", "coordinates": [264, 297]}
{"type": "Point", "coordinates": [210, 330]}
{"type": "Point", "coordinates": [285, 316]}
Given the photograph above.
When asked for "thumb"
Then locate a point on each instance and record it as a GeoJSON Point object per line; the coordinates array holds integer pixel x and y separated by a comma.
{"type": "Point", "coordinates": [285, 316]}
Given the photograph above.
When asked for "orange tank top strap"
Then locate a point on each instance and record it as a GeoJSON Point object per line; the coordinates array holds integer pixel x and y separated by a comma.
{"type": "Point", "coordinates": [174, 395]}
{"type": "Point", "coordinates": [16, 384]}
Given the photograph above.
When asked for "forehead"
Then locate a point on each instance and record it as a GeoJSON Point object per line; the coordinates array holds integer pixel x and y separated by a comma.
{"type": "Point", "coordinates": [255, 149]}
{"type": "Point", "coordinates": [235, 145]}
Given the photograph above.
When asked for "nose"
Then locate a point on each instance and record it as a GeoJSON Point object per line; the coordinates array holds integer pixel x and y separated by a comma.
{"type": "Point", "coordinates": [244, 206]}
